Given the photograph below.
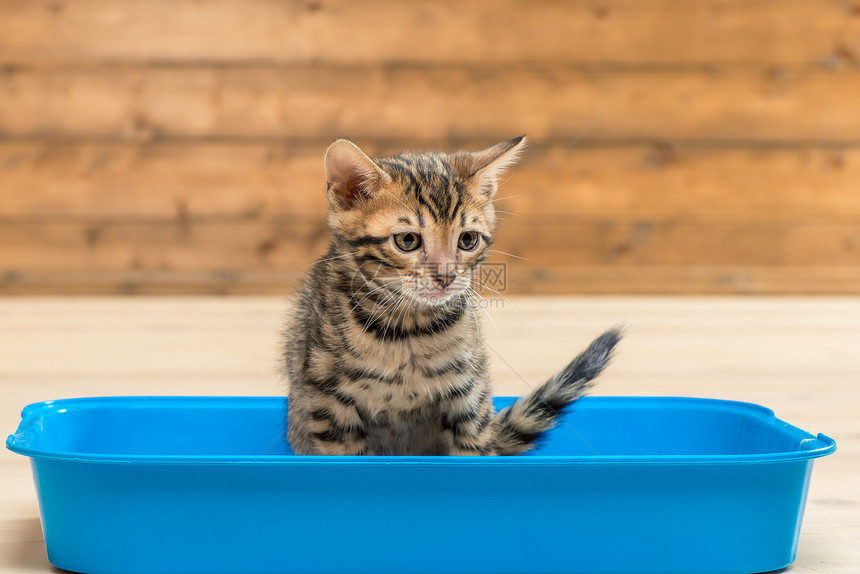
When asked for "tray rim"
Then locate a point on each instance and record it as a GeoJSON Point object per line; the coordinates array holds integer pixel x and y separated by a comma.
{"type": "Point", "coordinates": [31, 414]}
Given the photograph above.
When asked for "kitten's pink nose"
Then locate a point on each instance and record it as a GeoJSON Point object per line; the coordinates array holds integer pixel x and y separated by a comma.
{"type": "Point", "coordinates": [445, 280]}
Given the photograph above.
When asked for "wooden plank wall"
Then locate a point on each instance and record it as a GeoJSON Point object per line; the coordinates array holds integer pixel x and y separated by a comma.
{"type": "Point", "coordinates": [707, 146]}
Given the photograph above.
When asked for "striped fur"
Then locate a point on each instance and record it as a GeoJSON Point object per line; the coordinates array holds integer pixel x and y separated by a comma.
{"type": "Point", "coordinates": [384, 352]}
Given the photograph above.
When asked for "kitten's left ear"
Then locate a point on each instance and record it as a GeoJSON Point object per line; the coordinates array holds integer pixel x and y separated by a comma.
{"type": "Point", "coordinates": [350, 175]}
{"type": "Point", "coordinates": [488, 164]}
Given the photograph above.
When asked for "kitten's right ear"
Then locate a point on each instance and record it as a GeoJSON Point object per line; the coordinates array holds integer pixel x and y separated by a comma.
{"type": "Point", "coordinates": [488, 164]}
{"type": "Point", "coordinates": [350, 175]}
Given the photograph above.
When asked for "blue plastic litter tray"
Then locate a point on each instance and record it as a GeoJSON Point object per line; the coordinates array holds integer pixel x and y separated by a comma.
{"type": "Point", "coordinates": [209, 485]}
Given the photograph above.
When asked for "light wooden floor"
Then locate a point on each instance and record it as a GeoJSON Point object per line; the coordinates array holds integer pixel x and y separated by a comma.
{"type": "Point", "coordinates": [800, 357]}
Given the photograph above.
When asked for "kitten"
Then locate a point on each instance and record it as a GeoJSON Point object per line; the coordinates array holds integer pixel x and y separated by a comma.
{"type": "Point", "coordinates": [384, 352]}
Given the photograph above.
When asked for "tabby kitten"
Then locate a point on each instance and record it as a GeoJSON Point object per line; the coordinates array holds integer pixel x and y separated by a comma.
{"type": "Point", "coordinates": [384, 352]}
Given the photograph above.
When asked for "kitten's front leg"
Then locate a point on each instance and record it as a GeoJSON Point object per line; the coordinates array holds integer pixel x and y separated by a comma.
{"type": "Point", "coordinates": [466, 424]}
{"type": "Point", "coordinates": [336, 427]}
{"type": "Point", "coordinates": [336, 448]}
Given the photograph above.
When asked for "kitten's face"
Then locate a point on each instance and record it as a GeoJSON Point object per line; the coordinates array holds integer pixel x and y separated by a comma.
{"type": "Point", "coordinates": [431, 232]}
{"type": "Point", "coordinates": [417, 225]}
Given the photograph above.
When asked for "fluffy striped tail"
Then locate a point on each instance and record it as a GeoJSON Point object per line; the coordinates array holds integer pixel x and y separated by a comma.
{"type": "Point", "coordinates": [516, 428]}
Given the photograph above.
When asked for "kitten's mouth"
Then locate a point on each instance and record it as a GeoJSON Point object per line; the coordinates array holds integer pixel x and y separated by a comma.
{"type": "Point", "coordinates": [430, 293]}
{"type": "Point", "coordinates": [436, 295]}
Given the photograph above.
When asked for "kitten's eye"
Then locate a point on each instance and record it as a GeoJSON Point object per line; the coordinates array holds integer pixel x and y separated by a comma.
{"type": "Point", "coordinates": [468, 240]}
{"type": "Point", "coordinates": [407, 241]}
